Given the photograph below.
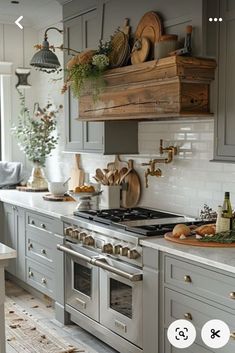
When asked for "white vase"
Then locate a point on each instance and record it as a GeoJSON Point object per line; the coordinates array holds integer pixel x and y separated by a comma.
{"type": "Point", "coordinates": [37, 179]}
{"type": "Point", "coordinates": [110, 196]}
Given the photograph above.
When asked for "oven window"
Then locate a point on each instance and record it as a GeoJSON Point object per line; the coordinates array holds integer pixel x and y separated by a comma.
{"type": "Point", "coordinates": [82, 279]}
{"type": "Point", "coordinates": [121, 298]}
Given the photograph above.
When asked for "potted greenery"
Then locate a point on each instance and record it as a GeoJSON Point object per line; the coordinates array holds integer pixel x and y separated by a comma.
{"type": "Point", "coordinates": [36, 138]}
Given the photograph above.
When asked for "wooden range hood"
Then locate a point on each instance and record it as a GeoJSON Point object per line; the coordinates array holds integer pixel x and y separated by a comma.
{"type": "Point", "coordinates": [173, 87]}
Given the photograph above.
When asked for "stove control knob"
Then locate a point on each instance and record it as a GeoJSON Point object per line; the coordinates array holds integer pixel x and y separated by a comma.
{"type": "Point", "coordinates": [117, 249]}
{"type": "Point", "coordinates": [107, 248]}
{"type": "Point", "coordinates": [133, 254]}
{"type": "Point", "coordinates": [124, 250]}
{"type": "Point", "coordinates": [89, 240]}
{"type": "Point", "coordinates": [68, 231]}
{"type": "Point", "coordinates": [75, 233]}
{"type": "Point", "coordinates": [82, 236]}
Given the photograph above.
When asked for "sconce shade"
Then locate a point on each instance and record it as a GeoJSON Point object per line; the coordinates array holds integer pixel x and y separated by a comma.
{"type": "Point", "coordinates": [45, 60]}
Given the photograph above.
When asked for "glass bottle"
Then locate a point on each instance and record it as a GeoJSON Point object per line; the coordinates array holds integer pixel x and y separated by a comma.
{"type": "Point", "coordinates": [227, 213]}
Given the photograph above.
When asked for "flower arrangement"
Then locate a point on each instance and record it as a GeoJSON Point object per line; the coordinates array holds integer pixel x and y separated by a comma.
{"type": "Point", "coordinates": [85, 70]}
{"type": "Point", "coordinates": [35, 134]}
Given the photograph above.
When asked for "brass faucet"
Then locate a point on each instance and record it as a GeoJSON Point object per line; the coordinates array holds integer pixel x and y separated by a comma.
{"type": "Point", "coordinates": [172, 150]}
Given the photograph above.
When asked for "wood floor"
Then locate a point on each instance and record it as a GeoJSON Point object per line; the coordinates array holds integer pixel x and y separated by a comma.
{"type": "Point", "coordinates": [44, 313]}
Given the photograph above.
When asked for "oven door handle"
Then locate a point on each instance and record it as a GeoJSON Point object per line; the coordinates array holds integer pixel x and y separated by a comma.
{"type": "Point", "coordinates": [133, 277]}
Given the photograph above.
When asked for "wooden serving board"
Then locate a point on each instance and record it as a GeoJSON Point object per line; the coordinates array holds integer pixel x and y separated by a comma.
{"type": "Point", "coordinates": [192, 241]}
{"type": "Point", "coordinates": [131, 195]}
{"type": "Point", "coordinates": [50, 197]}
{"type": "Point", "coordinates": [25, 188]}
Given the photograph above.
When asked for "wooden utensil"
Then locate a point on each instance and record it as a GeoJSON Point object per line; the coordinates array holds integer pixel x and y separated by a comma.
{"type": "Point", "coordinates": [131, 196]}
{"type": "Point", "coordinates": [140, 50]}
{"type": "Point", "coordinates": [150, 26]}
{"type": "Point", "coordinates": [77, 174]}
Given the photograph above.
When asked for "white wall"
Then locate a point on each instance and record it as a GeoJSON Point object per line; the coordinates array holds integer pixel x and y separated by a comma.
{"type": "Point", "coordinates": [16, 46]}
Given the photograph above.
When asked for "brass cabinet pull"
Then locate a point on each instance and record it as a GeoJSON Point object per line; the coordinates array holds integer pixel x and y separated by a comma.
{"type": "Point", "coordinates": [30, 246]}
{"type": "Point", "coordinates": [232, 295]}
{"type": "Point", "coordinates": [44, 281]}
{"type": "Point", "coordinates": [232, 335]}
{"type": "Point", "coordinates": [188, 316]}
{"type": "Point", "coordinates": [43, 251]}
{"type": "Point", "coordinates": [32, 222]}
{"type": "Point", "coordinates": [30, 274]}
{"type": "Point", "coordinates": [43, 225]}
{"type": "Point", "coordinates": [187, 279]}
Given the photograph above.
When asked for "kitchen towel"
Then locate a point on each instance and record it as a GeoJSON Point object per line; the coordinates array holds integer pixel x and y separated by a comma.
{"type": "Point", "coordinates": [10, 173]}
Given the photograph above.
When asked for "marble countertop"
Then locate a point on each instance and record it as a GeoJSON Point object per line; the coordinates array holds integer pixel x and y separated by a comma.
{"type": "Point", "coordinates": [35, 202]}
{"type": "Point", "coordinates": [220, 258]}
{"type": "Point", "coordinates": [6, 252]}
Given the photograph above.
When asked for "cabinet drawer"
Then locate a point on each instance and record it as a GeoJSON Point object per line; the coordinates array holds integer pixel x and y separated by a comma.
{"type": "Point", "coordinates": [40, 222]}
{"type": "Point", "coordinates": [41, 247]}
{"type": "Point", "coordinates": [201, 281]}
{"type": "Point", "coordinates": [40, 277]}
{"type": "Point", "coordinates": [178, 306]}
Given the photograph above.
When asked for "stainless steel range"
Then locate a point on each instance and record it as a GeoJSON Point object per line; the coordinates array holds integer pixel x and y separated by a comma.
{"type": "Point", "coordinates": [104, 278]}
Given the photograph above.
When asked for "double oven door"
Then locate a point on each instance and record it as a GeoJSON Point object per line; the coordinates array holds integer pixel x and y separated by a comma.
{"type": "Point", "coordinates": [108, 291]}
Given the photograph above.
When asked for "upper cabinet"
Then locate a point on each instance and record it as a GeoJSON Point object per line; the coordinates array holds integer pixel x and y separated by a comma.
{"type": "Point", "coordinates": [81, 32]}
{"type": "Point", "coordinates": [225, 117]}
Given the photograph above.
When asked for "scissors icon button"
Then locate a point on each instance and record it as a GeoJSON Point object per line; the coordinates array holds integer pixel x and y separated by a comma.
{"type": "Point", "coordinates": [215, 333]}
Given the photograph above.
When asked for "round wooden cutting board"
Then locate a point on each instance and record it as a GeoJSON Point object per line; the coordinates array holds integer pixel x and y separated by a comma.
{"type": "Point", "coordinates": [192, 241]}
{"type": "Point", "coordinates": [150, 27]}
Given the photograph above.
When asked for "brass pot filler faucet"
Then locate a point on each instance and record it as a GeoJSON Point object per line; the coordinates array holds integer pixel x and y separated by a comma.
{"type": "Point", "coordinates": [152, 171]}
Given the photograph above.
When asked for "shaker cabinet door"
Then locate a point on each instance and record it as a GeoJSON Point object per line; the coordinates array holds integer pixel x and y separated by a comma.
{"type": "Point", "coordinates": [225, 123]}
{"type": "Point", "coordinates": [10, 235]}
{"type": "Point", "coordinates": [74, 128]}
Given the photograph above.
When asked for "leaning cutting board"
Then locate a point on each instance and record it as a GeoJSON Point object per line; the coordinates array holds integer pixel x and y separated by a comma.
{"type": "Point", "coordinates": [77, 174]}
{"type": "Point", "coordinates": [132, 188]}
{"type": "Point", "coordinates": [150, 27]}
{"type": "Point", "coordinates": [192, 241]}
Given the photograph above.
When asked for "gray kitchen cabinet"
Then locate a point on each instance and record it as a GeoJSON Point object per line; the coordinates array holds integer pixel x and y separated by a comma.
{"type": "Point", "coordinates": [199, 293]}
{"type": "Point", "coordinates": [14, 237]}
{"type": "Point", "coordinates": [82, 32]}
{"type": "Point", "coordinates": [224, 146]}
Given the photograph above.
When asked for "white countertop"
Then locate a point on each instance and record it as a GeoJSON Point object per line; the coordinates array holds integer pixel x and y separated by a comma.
{"type": "Point", "coordinates": [6, 252]}
{"type": "Point", "coordinates": [35, 202]}
{"type": "Point", "coordinates": [220, 258]}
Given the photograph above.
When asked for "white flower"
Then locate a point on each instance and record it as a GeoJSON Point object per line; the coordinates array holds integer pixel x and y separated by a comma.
{"type": "Point", "coordinates": [101, 61]}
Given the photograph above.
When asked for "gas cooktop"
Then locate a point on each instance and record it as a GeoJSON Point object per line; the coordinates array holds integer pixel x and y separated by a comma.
{"type": "Point", "coordinates": [146, 222]}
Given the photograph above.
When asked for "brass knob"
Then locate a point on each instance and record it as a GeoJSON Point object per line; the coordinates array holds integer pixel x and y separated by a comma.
{"type": "Point", "coordinates": [68, 231]}
{"type": "Point", "coordinates": [232, 335]}
{"type": "Point", "coordinates": [188, 316]}
{"type": "Point", "coordinates": [30, 274]}
{"type": "Point", "coordinates": [75, 233]}
{"type": "Point", "coordinates": [82, 235]}
{"type": "Point", "coordinates": [133, 254]}
{"type": "Point", "coordinates": [30, 246]}
{"type": "Point", "coordinates": [44, 281]}
{"type": "Point", "coordinates": [43, 225]}
{"type": "Point", "coordinates": [187, 279]}
{"type": "Point", "coordinates": [32, 222]}
{"type": "Point", "coordinates": [124, 250]}
{"type": "Point", "coordinates": [107, 248]}
{"type": "Point", "coordinates": [232, 295]}
{"type": "Point", "coordinates": [43, 251]}
{"type": "Point", "coordinates": [88, 240]}
{"type": "Point", "coordinates": [117, 249]}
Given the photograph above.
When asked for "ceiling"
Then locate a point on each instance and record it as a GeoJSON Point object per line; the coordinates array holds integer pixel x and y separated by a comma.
{"type": "Point", "coordinates": [37, 13]}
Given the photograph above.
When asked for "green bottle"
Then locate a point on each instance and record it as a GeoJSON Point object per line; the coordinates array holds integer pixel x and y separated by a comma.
{"type": "Point", "coordinates": [227, 213]}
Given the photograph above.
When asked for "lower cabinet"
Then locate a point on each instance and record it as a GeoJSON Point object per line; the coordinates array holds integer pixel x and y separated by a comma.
{"type": "Point", "coordinates": [14, 237]}
{"type": "Point", "coordinates": [198, 293]}
{"type": "Point", "coordinates": [34, 237]}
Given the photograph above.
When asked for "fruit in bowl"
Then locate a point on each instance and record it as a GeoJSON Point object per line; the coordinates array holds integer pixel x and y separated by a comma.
{"type": "Point", "coordinates": [84, 188]}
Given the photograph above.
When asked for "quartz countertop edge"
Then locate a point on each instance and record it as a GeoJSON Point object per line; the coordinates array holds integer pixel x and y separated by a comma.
{"type": "Point", "coordinates": [6, 252]}
{"type": "Point", "coordinates": [33, 201]}
{"type": "Point", "coordinates": [219, 258]}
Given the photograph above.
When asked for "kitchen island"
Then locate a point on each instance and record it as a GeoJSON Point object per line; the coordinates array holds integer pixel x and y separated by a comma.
{"type": "Point", "coordinates": [6, 253]}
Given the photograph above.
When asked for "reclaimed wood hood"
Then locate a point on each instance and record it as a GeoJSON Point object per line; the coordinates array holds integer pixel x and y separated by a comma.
{"type": "Point", "coordinates": [173, 87]}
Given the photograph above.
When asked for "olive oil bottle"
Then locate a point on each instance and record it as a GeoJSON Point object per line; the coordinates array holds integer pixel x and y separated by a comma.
{"type": "Point", "coordinates": [227, 214]}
